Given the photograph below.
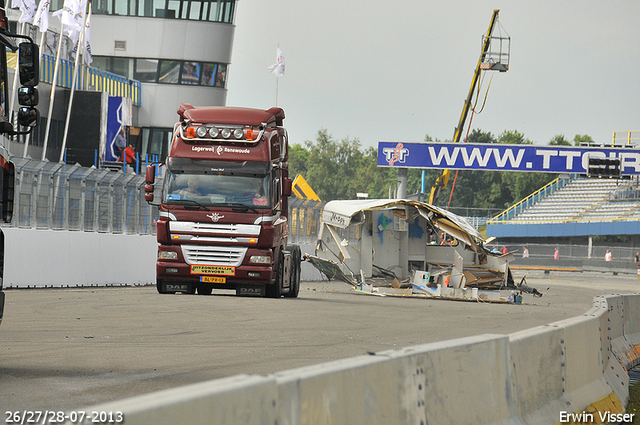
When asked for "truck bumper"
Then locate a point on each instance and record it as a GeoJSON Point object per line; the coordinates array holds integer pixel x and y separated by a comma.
{"type": "Point", "coordinates": [244, 274]}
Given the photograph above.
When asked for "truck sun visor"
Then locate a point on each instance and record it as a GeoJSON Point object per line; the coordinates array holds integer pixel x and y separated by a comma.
{"type": "Point", "coordinates": [246, 168]}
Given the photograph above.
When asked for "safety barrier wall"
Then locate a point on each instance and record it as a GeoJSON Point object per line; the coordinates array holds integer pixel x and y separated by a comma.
{"type": "Point", "coordinates": [575, 366]}
{"type": "Point", "coordinates": [60, 258]}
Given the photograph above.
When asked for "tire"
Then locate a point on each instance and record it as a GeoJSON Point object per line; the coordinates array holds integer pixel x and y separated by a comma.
{"type": "Point", "coordinates": [159, 287]}
{"type": "Point", "coordinates": [275, 290]}
{"type": "Point", "coordinates": [204, 289]}
{"type": "Point", "coordinates": [296, 259]}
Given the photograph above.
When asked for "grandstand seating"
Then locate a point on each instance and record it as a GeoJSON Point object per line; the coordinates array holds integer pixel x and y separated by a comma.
{"type": "Point", "coordinates": [583, 200]}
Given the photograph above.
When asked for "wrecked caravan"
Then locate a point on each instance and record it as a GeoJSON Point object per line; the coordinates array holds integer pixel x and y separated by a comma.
{"type": "Point", "coordinates": [407, 240]}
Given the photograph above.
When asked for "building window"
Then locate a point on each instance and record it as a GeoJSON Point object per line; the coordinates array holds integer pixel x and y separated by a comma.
{"type": "Point", "coordinates": [165, 71]}
{"type": "Point", "coordinates": [169, 72]}
{"type": "Point", "coordinates": [191, 73]}
{"type": "Point", "coordinates": [146, 70]}
{"type": "Point", "coordinates": [155, 141]}
{"type": "Point", "coordinates": [195, 10]}
{"type": "Point", "coordinates": [115, 65]}
{"type": "Point", "coordinates": [221, 76]}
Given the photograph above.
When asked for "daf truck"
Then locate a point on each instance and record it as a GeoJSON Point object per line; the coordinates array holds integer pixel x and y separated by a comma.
{"type": "Point", "coordinates": [223, 208]}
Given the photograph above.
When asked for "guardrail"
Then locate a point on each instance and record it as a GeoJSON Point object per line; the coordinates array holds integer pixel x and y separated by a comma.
{"type": "Point", "coordinates": [626, 137]}
{"type": "Point", "coordinates": [50, 195]}
{"type": "Point", "coordinates": [573, 369]}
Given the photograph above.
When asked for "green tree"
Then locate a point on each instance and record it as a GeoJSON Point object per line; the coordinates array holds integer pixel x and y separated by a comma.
{"type": "Point", "coordinates": [513, 137]}
{"type": "Point", "coordinates": [298, 157]}
{"type": "Point", "coordinates": [559, 140]}
{"type": "Point", "coordinates": [578, 139]}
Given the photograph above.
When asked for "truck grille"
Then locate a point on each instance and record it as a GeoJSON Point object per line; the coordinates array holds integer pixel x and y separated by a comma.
{"type": "Point", "coordinates": [214, 255]}
{"type": "Point", "coordinates": [214, 228]}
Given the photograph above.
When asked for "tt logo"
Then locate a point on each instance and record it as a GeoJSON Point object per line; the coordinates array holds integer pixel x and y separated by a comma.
{"type": "Point", "coordinates": [397, 154]}
{"type": "Point", "coordinates": [215, 217]}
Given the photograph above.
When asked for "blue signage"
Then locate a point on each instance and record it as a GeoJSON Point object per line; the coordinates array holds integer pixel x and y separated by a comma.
{"type": "Point", "coordinates": [499, 157]}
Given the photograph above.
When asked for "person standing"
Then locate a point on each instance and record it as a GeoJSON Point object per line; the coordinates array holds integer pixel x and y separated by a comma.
{"type": "Point", "coordinates": [556, 254]}
{"type": "Point", "coordinates": [525, 253]}
{"type": "Point", "coordinates": [129, 155]}
{"type": "Point", "coordinates": [608, 256]}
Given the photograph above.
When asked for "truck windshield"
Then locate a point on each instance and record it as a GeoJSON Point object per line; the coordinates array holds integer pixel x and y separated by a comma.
{"type": "Point", "coordinates": [185, 188]}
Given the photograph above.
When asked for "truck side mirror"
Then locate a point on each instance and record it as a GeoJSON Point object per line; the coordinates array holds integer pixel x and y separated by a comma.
{"type": "Point", "coordinates": [28, 117]}
{"type": "Point", "coordinates": [286, 186]}
{"type": "Point", "coordinates": [29, 64]}
{"type": "Point", "coordinates": [28, 96]}
{"type": "Point", "coordinates": [150, 176]}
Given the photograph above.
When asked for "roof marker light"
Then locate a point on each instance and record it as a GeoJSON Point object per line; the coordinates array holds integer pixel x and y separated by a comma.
{"type": "Point", "coordinates": [191, 133]}
{"type": "Point", "coordinates": [201, 131]}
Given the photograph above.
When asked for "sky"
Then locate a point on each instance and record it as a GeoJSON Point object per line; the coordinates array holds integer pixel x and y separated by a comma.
{"type": "Point", "coordinates": [400, 70]}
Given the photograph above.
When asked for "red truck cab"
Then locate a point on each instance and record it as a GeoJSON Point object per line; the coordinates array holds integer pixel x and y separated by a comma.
{"type": "Point", "coordinates": [223, 220]}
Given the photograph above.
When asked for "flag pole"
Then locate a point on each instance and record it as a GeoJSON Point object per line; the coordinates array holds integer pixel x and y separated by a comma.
{"type": "Point", "coordinates": [53, 94]}
{"type": "Point", "coordinates": [73, 85]}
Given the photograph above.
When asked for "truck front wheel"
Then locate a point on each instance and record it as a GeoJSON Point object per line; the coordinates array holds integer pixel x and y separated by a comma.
{"type": "Point", "coordinates": [275, 290]}
{"type": "Point", "coordinates": [294, 282]}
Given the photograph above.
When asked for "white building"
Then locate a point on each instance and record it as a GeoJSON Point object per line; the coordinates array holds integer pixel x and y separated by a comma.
{"type": "Point", "coordinates": [179, 50]}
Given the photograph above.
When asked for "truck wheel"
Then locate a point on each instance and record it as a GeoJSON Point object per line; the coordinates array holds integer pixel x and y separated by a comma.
{"type": "Point", "coordinates": [275, 290]}
{"type": "Point", "coordinates": [160, 288]}
{"type": "Point", "coordinates": [296, 259]}
{"type": "Point", "coordinates": [204, 289]}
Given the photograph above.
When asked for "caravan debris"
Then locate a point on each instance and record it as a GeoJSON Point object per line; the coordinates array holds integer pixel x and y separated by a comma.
{"type": "Point", "coordinates": [432, 252]}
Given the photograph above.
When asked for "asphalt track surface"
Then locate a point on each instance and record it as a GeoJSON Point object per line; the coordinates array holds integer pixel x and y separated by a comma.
{"type": "Point", "coordinates": [63, 349]}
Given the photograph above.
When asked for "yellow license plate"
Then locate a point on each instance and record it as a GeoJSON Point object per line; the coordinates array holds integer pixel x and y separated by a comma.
{"type": "Point", "coordinates": [213, 279]}
{"type": "Point", "coordinates": [219, 270]}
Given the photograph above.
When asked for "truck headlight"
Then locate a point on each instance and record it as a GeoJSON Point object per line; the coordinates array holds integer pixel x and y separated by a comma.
{"type": "Point", "coordinates": [201, 131]}
{"type": "Point", "coordinates": [167, 255]}
{"type": "Point", "coordinates": [262, 259]}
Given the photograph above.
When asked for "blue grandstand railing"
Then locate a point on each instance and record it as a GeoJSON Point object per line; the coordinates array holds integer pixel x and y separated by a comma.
{"type": "Point", "coordinates": [535, 197]}
{"type": "Point", "coordinates": [91, 79]}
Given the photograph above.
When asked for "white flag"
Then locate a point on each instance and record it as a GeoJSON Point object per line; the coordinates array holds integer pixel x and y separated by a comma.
{"type": "Point", "coordinates": [278, 67]}
{"type": "Point", "coordinates": [72, 19]}
{"type": "Point", "coordinates": [27, 7]}
{"type": "Point", "coordinates": [88, 57]}
{"type": "Point", "coordinates": [72, 16]}
{"type": "Point", "coordinates": [41, 18]}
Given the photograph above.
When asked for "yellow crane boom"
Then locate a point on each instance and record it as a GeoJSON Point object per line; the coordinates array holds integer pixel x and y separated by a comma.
{"type": "Point", "coordinates": [441, 182]}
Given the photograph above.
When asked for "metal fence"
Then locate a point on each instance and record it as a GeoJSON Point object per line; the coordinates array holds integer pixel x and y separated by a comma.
{"type": "Point", "coordinates": [569, 251]}
{"type": "Point", "coordinates": [50, 195]}
{"type": "Point", "coordinates": [304, 216]}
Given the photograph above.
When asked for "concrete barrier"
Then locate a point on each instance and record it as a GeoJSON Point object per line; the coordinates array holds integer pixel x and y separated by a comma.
{"type": "Point", "coordinates": [44, 258]}
{"type": "Point", "coordinates": [538, 376]}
